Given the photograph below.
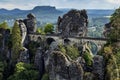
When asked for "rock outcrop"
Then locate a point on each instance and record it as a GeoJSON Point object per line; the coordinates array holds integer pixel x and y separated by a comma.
{"type": "Point", "coordinates": [61, 67]}
{"type": "Point", "coordinates": [74, 23]}
{"type": "Point", "coordinates": [98, 67]}
{"type": "Point", "coordinates": [23, 30]}
{"type": "Point", "coordinates": [27, 26]}
{"type": "Point", "coordinates": [4, 34]}
{"type": "Point", "coordinates": [107, 29]}
{"type": "Point", "coordinates": [24, 56]}
{"type": "Point", "coordinates": [30, 23]}
{"type": "Point", "coordinates": [39, 62]}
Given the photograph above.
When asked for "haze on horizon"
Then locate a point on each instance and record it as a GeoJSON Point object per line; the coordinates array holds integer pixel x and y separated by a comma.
{"type": "Point", "coordinates": [77, 4]}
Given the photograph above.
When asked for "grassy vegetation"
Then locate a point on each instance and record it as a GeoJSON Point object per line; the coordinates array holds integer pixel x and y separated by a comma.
{"type": "Point", "coordinates": [70, 50]}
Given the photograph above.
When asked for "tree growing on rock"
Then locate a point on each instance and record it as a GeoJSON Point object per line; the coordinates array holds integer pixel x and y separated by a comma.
{"type": "Point", "coordinates": [40, 30]}
{"type": "Point", "coordinates": [115, 25]}
{"type": "Point", "coordinates": [112, 49]}
{"type": "Point", "coordinates": [16, 41]}
{"type": "Point", "coordinates": [49, 28]}
{"type": "Point", "coordinates": [4, 25]}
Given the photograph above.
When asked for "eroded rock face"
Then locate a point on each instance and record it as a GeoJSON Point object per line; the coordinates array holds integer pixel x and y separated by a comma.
{"type": "Point", "coordinates": [39, 62]}
{"type": "Point", "coordinates": [81, 61]}
{"type": "Point", "coordinates": [4, 37]}
{"type": "Point", "coordinates": [74, 23]}
{"type": "Point", "coordinates": [23, 30]}
{"type": "Point", "coordinates": [30, 23]}
{"type": "Point", "coordinates": [61, 68]}
{"type": "Point", "coordinates": [107, 29]}
{"type": "Point", "coordinates": [24, 56]}
{"type": "Point", "coordinates": [98, 67]}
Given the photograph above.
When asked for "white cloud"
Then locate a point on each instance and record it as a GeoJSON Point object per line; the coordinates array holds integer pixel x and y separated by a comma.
{"type": "Point", "coordinates": [7, 6]}
{"type": "Point", "coordinates": [114, 1]}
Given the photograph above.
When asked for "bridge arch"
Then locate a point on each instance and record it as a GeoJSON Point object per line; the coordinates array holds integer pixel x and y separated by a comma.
{"type": "Point", "coordinates": [39, 38]}
{"type": "Point", "coordinates": [93, 47]}
{"type": "Point", "coordinates": [67, 41]}
{"type": "Point", "coordinates": [49, 40]}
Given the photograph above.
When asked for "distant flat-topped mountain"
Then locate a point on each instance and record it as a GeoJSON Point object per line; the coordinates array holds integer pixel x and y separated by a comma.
{"type": "Point", "coordinates": [42, 13]}
{"type": "Point", "coordinates": [40, 9]}
{"type": "Point", "coordinates": [45, 9]}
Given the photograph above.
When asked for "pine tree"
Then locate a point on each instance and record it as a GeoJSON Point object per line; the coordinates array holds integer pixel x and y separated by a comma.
{"type": "Point", "coordinates": [16, 41]}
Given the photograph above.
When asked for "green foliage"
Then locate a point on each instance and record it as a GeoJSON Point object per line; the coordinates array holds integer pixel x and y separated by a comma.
{"type": "Point", "coordinates": [1, 76]}
{"type": "Point", "coordinates": [45, 77]}
{"type": "Point", "coordinates": [49, 28]}
{"type": "Point", "coordinates": [62, 48]}
{"type": "Point", "coordinates": [112, 53]}
{"type": "Point", "coordinates": [107, 52]}
{"type": "Point", "coordinates": [16, 41]}
{"type": "Point", "coordinates": [24, 72]}
{"type": "Point", "coordinates": [70, 50]}
{"type": "Point", "coordinates": [20, 67]}
{"type": "Point", "coordinates": [88, 58]}
{"type": "Point", "coordinates": [118, 57]}
{"type": "Point", "coordinates": [88, 76]}
{"type": "Point", "coordinates": [115, 24]}
{"type": "Point", "coordinates": [4, 25]}
{"type": "Point", "coordinates": [2, 66]}
{"type": "Point", "coordinates": [32, 47]}
{"type": "Point", "coordinates": [112, 57]}
{"type": "Point", "coordinates": [115, 15]}
{"type": "Point", "coordinates": [40, 31]}
{"type": "Point", "coordinates": [108, 49]}
{"type": "Point", "coordinates": [112, 69]}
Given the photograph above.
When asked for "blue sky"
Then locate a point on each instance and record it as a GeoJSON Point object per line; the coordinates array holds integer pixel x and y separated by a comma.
{"type": "Point", "coordinates": [78, 4]}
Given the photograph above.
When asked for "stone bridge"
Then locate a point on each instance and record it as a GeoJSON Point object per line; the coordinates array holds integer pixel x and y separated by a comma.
{"type": "Point", "coordinates": [98, 41]}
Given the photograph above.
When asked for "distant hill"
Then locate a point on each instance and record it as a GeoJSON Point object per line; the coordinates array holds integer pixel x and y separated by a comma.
{"type": "Point", "coordinates": [11, 12]}
{"type": "Point", "coordinates": [37, 9]}
{"type": "Point", "coordinates": [43, 14]}
{"type": "Point", "coordinates": [94, 12]}
{"type": "Point", "coordinates": [99, 12]}
{"type": "Point", "coordinates": [45, 9]}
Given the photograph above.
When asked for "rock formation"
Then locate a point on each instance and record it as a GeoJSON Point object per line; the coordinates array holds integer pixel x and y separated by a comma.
{"type": "Point", "coordinates": [30, 23]}
{"type": "Point", "coordinates": [4, 35]}
{"type": "Point", "coordinates": [61, 68]}
{"type": "Point", "coordinates": [107, 29]}
{"type": "Point", "coordinates": [74, 23]}
{"type": "Point", "coordinates": [24, 55]}
{"type": "Point", "coordinates": [23, 30]}
{"type": "Point", "coordinates": [27, 26]}
{"type": "Point", "coordinates": [39, 62]}
{"type": "Point", "coordinates": [98, 67]}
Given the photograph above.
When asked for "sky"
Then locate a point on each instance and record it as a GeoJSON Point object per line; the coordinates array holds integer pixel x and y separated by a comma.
{"type": "Point", "coordinates": [77, 4]}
